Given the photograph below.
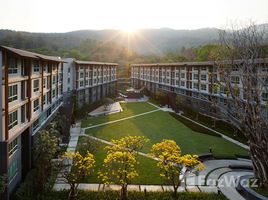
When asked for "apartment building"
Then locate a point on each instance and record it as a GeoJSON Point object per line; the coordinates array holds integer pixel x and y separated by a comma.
{"type": "Point", "coordinates": [31, 93]}
{"type": "Point", "coordinates": [193, 82]}
{"type": "Point", "coordinates": [90, 81]}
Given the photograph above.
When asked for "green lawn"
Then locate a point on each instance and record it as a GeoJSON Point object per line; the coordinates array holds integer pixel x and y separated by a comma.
{"type": "Point", "coordinates": [129, 109]}
{"type": "Point", "coordinates": [147, 169]}
{"type": "Point", "coordinates": [160, 125]}
{"type": "Point", "coordinates": [155, 126]}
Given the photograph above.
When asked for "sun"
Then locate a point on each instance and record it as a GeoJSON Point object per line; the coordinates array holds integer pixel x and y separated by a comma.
{"type": "Point", "coordinates": [129, 29]}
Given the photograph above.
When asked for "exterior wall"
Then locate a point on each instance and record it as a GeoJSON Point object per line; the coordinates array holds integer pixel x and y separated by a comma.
{"type": "Point", "coordinates": [15, 143]}
{"type": "Point", "coordinates": [68, 75]}
{"type": "Point", "coordinates": [95, 81]}
{"type": "Point", "coordinates": [191, 81]}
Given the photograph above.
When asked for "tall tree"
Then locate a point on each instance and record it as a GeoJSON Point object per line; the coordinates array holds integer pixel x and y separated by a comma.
{"type": "Point", "coordinates": [46, 146]}
{"type": "Point", "coordinates": [171, 162]}
{"type": "Point", "coordinates": [120, 163]}
{"type": "Point", "coordinates": [75, 168]}
{"type": "Point", "coordinates": [243, 82]}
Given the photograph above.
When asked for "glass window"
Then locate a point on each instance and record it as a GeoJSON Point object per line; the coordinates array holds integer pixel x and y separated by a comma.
{"type": "Point", "coordinates": [12, 93]}
{"type": "Point", "coordinates": [196, 86]}
{"type": "Point", "coordinates": [36, 85]}
{"type": "Point", "coordinates": [12, 119]}
{"type": "Point", "coordinates": [182, 83]}
{"type": "Point", "coordinates": [54, 80]}
{"type": "Point", "coordinates": [36, 67]}
{"type": "Point", "coordinates": [203, 87]}
{"type": "Point", "coordinates": [182, 75]}
{"type": "Point", "coordinates": [44, 99]}
{"type": "Point", "coordinates": [44, 82]}
{"type": "Point", "coordinates": [36, 105]}
{"type": "Point", "coordinates": [203, 68]}
{"type": "Point", "coordinates": [203, 77]}
{"type": "Point", "coordinates": [264, 96]}
{"type": "Point", "coordinates": [196, 76]}
{"type": "Point", "coordinates": [13, 66]}
{"type": "Point", "coordinates": [53, 93]}
{"type": "Point", "coordinates": [12, 170]}
{"type": "Point", "coordinates": [235, 79]}
{"type": "Point", "coordinates": [12, 146]}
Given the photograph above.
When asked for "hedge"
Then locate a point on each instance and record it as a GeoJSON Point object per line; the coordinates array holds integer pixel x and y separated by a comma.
{"type": "Point", "coordinates": [193, 126]}
{"type": "Point", "coordinates": [114, 195]}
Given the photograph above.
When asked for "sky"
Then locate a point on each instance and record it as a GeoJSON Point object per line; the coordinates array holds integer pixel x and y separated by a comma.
{"type": "Point", "coordinates": [128, 15]}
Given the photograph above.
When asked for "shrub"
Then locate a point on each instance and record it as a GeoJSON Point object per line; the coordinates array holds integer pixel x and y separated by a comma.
{"type": "Point", "coordinates": [114, 195]}
{"type": "Point", "coordinates": [193, 126]}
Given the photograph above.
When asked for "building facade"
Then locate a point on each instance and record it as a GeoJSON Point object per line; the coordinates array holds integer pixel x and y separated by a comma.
{"type": "Point", "coordinates": [193, 82]}
{"type": "Point", "coordinates": [90, 81]}
{"type": "Point", "coordinates": [31, 93]}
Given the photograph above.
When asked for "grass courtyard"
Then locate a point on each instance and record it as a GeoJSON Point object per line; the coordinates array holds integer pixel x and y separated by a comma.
{"type": "Point", "coordinates": [155, 126]}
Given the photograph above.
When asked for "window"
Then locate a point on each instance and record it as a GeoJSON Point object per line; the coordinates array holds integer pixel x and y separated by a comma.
{"type": "Point", "coordinates": [81, 83]}
{"type": "Point", "coordinates": [36, 67]}
{"type": "Point", "coordinates": [196, 86]}
{"type": "Point", "coordinates": [36, 85]}
{"type": "Point", "coordinates": [36, 105]}
{"type": "Point", "coordinates": [196, 68]}
{"type": "Point", "coordinates": [203, 68]}
{"type": "Point", "coordinates": [69, 69]}
{"type": "Point", "coordinates": [177, 74]}
{"type": "Point", "coordinates": [12, 147]}
{"type": "Point", "coordinates": [182, 75]}
{"type": "Point", "coordinates": [68, 80]}
{"type": "Point", "coordinates": [12, 170]}
{"type": "Point", "coordinates": [13, 66]}
{"type": "Point", "coordinates": [235, 79]}
{"type": "Point", "coordinates": [265, 81]}
{"type": "Point", "coordinates": [54, 80]}
{"type": "Point", "coordinates": [203, 77]}
{"type": "Point", "coordinates": [264, 96]}
{"type": "Point", "coordinates": [265, 68]}
{"type": "Point", "coordinates": [35, 124]}
{"type": "Point", "coordinates": [196, 76]}
{"type": "Point", "coordinates": [86, 82]}
{"type": "Point", "coordinates": [203, 87]}
{"type": "Point", "coordinates": [44, 82]}
{"type": "Point", "coordinates": [12, 93]}
{"type": "Point", "coordinates": [222, 90]}
{"type": "Point", "coordinates": [44, 99]}
{"type": "Point", "coordinates": [86, 74]}
{"type": "Point", "coordinates": [12, 119]}
{"type": "Point", "coordinates": [235, 68]}
{"type": "Point", "coordinates": [53, 93]}
{"type": "Point", "coordinates": [182, 83]}
{"type": "Point", "coordinates": [54, 67]}
{"type": "Point", "coordinates": [81, 75]}
{"type": "Point", "coordinates": [45, 68]}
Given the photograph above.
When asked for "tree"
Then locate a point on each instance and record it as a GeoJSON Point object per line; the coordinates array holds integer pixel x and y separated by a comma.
{"type": "Point", "coordinates": [75, 168]}
{"type": "Point", "coordinates": [244, 80]}
{"type": "Point", "coordinates": [107, 102]}
{"type": "Point", "coordinates": [44, 150]}
{"type": "Point", "coordinates": [171, 162]}
{"type": "Point", "coordinates": [120, 163]}
{"type": "Point", "coordinates": [3, 182]}
{"type": "Point", "coordinates": [161, 97]}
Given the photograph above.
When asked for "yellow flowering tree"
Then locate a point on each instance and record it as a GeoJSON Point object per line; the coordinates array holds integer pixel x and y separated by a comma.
{"type": "Point", "coordinates": [171, 162]}
{"type": "Point", "coordinates": [75, 168]}
{"type": "Point", "coordinates": [119, 166]}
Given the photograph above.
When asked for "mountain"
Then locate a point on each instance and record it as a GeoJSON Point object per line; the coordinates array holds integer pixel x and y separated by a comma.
{"type": "Point", "coordinates": [144, 41]}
